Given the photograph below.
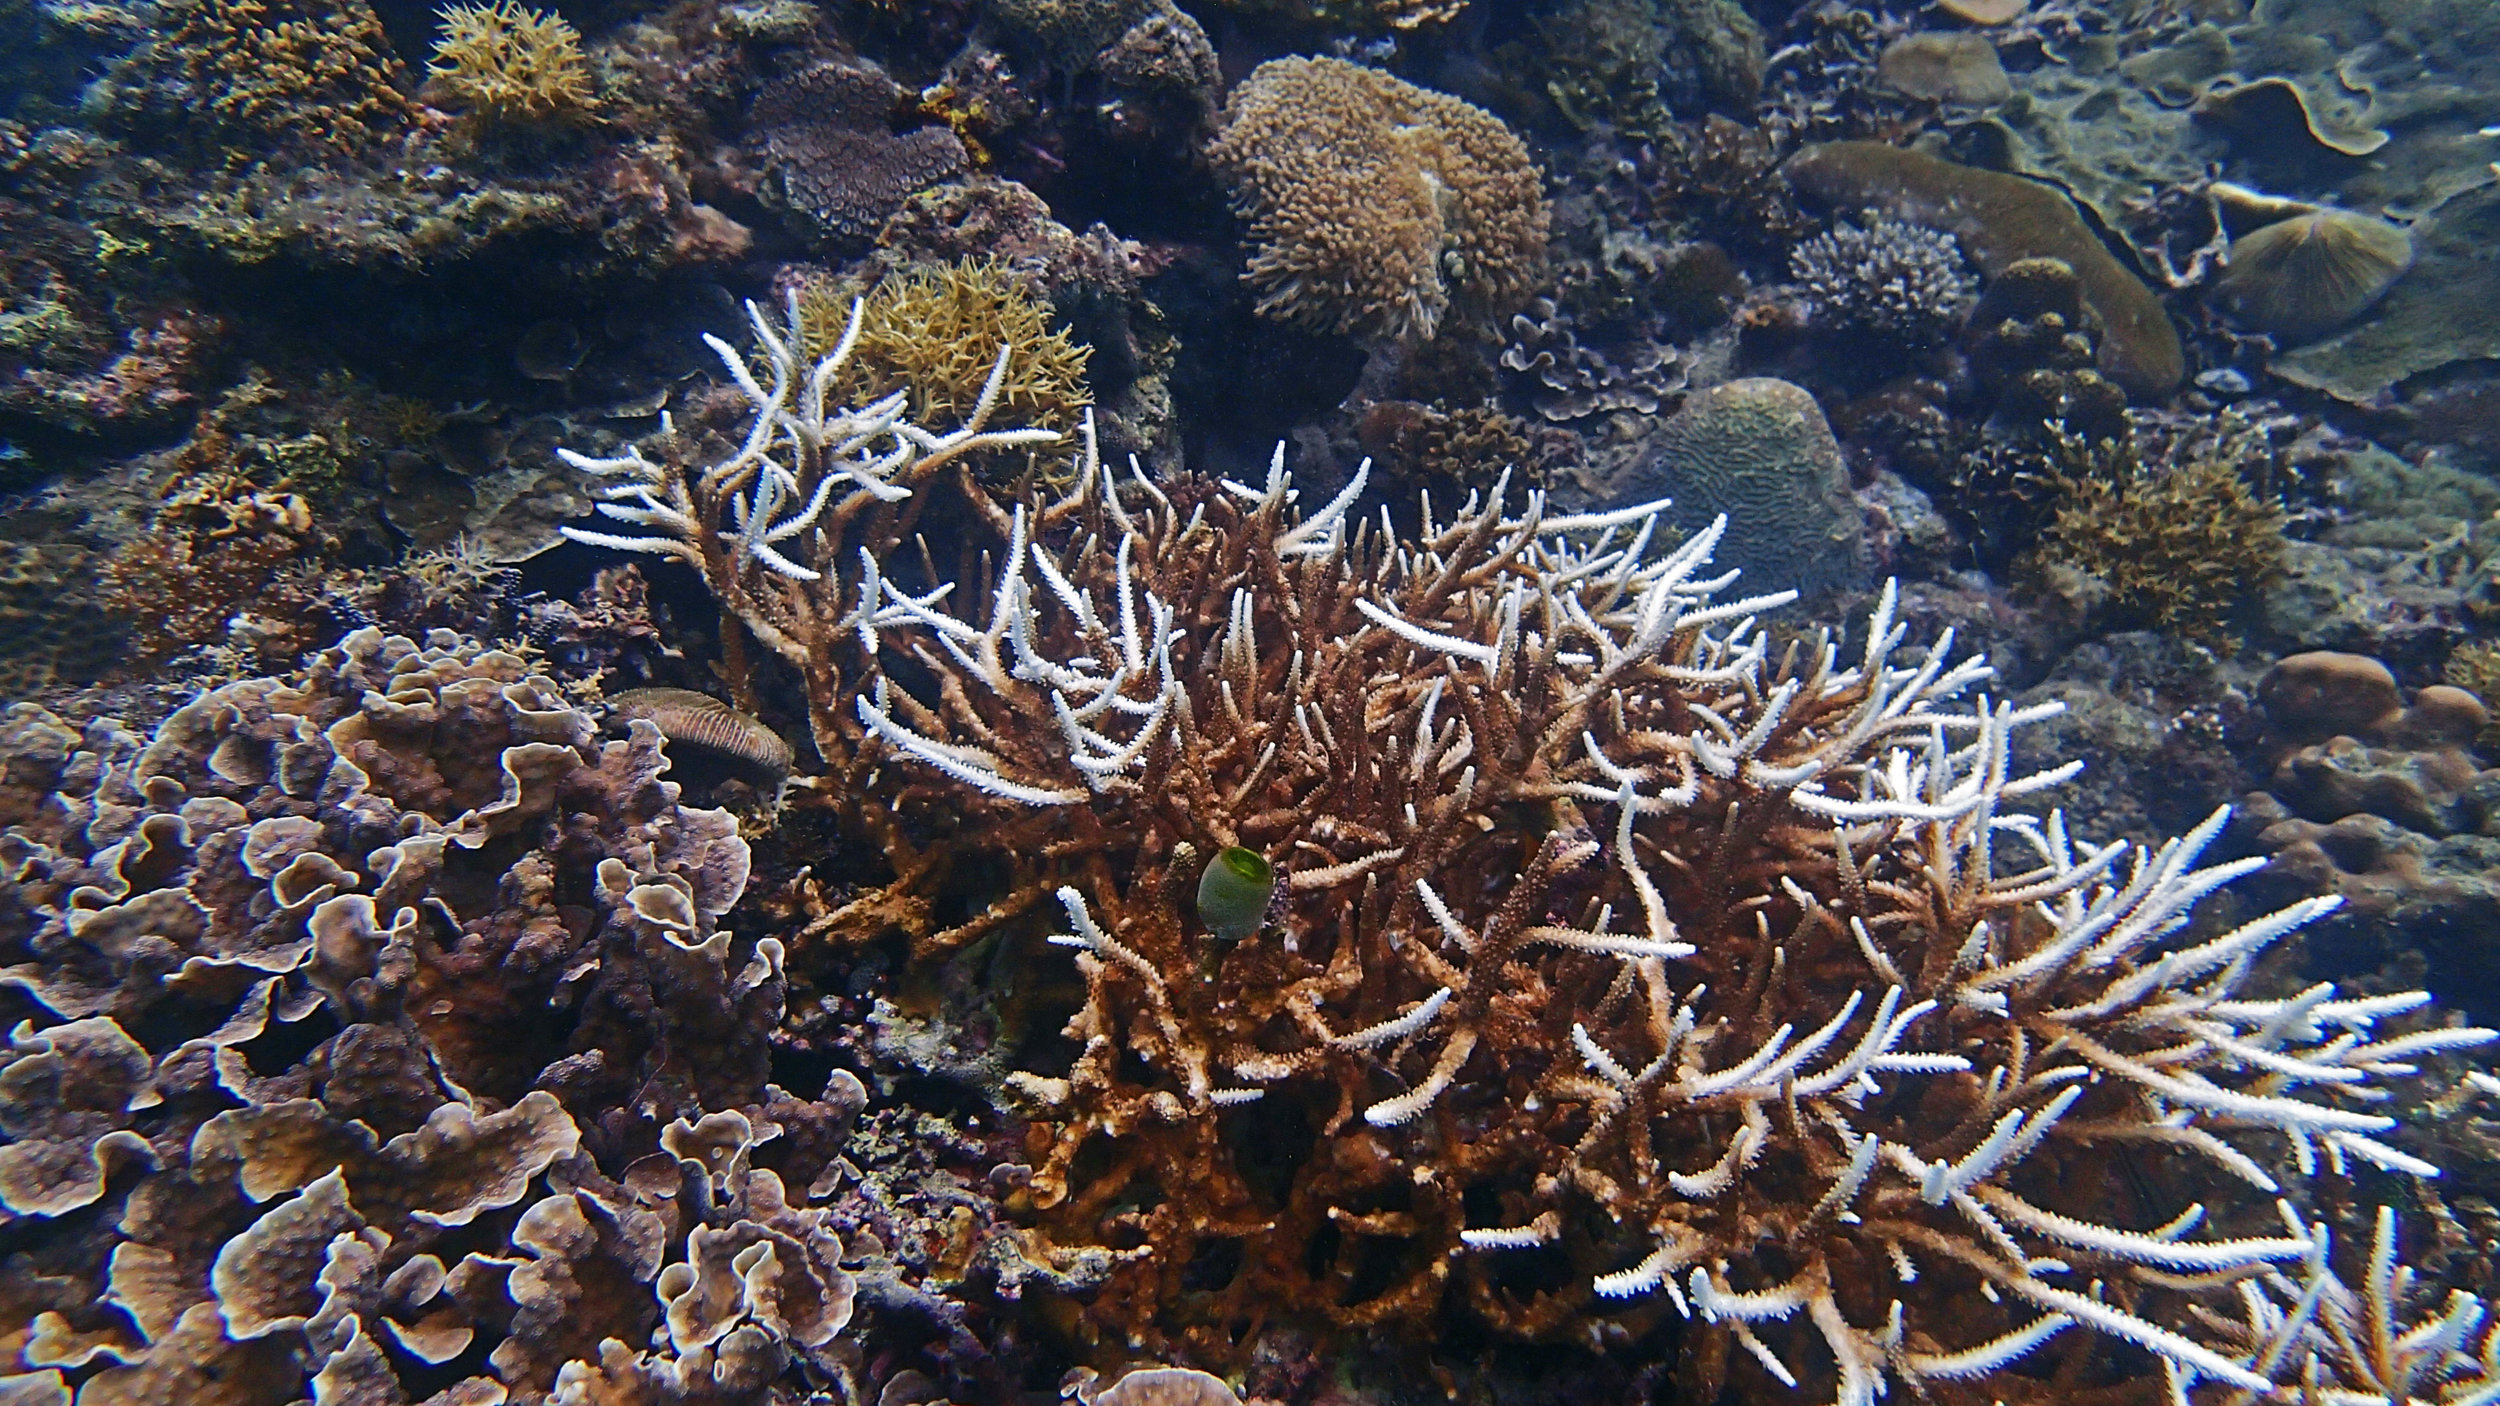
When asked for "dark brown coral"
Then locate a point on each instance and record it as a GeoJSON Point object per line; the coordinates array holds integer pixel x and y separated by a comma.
{"type": "Point", "coordinates": [833, 160]}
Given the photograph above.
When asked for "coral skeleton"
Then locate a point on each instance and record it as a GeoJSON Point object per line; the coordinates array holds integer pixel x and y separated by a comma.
{"type": "Point", "coordinates": [1715, 975]}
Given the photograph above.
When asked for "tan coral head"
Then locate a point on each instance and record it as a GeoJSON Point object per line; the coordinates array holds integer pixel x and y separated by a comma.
{"type": "Point", "coordinates": [2303, 277]}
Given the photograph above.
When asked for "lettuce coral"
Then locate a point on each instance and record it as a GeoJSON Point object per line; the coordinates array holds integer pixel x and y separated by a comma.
{"type": "Point", "coordinates": [512, 1114]}
{"type": "Point", "coordinates": [1376, 207]}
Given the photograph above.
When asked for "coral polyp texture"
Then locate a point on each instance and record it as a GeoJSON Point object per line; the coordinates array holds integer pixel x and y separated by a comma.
{"type": "Point", "coordinates": [377, 1029]}
{"type": "Point", "coordinates": [1377, 207]}
{"type": "Point", "coordinates": [1894, 281]}
{"type": "Point", "coordinates": [933, 332]}
{"type": "Point", "coordinates": [510, 63]}
{"type": "Point", "coordinates": [1619, 963]}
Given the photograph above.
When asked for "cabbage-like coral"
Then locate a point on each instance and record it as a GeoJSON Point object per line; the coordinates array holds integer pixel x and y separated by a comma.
{"type": "Point", "coordinates": [511, 63]}
{"type": "Point", "coordinates": [372, 1010]}
{"type": "Point", "coordinates": [1618, 964]}
{"type": "Point", "coordinates": [1377, 207]}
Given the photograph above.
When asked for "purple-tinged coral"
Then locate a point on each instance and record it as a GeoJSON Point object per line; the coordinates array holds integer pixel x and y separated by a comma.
{"type": "Point", "coordinates": [832, 160]}
{"type": "Point", "coordinates": [1896, 282]}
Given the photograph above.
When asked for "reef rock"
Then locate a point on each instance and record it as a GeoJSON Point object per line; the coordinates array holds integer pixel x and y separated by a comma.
{"type": "Point", "coordinates": [2000, 220]}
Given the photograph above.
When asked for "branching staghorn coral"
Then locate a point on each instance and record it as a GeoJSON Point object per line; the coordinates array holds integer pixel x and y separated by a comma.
{"type": "Point", "coordinates": [1619, 964]}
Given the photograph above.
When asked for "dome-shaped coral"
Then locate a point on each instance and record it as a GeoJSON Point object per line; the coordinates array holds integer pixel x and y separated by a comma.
{"type": "Point", "coordinates": [1377, 207]}
{"type": "Point", "coordinates": [2305, 276]}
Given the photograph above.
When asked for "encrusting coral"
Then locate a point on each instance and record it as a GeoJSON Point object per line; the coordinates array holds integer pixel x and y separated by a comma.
{"type": "Point", "coordinates": [1617, 961]}
{"type": "Point", "coordinates": [378, 1028]}
{"type": "Point", "coordinates": [1374, 206]}
{"type": "Point", "coordinates": [511, 63]}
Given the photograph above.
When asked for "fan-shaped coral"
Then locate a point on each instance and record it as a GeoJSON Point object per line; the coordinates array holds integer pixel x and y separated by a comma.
{"type": "Point", "coordinates": [1377, 207]}
{"type": "Point", "coordinates": [511, 63]}
{"type": "Point", "coordinates": [2303, 277]}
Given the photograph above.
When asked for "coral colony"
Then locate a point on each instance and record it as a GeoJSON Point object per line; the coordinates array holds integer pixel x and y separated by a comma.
{"type": "Point", "coordinates": [1610, 930]}
{"type": "Point", "coordinates": [1249, 703]}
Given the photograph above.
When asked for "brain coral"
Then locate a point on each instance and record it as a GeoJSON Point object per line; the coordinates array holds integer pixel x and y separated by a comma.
{"type": "Point", "coordinates": [1760, 451]}
{"type": "Point", "coordinates": [1377, 207]}
{"type": "Point", "coordinates": [377, 1030]}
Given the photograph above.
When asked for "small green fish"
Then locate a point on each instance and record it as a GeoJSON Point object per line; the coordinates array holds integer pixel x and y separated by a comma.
{"type": "Point", "coordinates": [1233, 893]}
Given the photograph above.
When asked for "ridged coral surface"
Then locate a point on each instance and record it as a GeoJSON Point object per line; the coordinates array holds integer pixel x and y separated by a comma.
{"type": "Point", "coordinates": [383, 1020]}
{"type": "Point", "coordinates": [1375, 206]}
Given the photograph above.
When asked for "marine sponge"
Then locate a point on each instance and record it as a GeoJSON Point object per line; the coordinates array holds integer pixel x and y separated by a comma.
{"type": "Point", "coordinates": [1377, 207]}
{"type": "Point", "coordinates": [511, 63]}
{"type": "Point", "coordinates": [1897, 282]}
{"type": "Point", "coordinates": [934, 332]}
{"type": "Point", "coordinates": [2303, 277]}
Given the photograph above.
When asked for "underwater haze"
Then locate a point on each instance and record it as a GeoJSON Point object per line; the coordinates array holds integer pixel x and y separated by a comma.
{"type": "Point", "coordinates": [1249, 703]}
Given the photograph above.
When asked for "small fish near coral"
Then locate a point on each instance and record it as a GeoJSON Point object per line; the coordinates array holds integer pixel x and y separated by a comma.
{"type": "Point", "coordinates": [1214, 701]}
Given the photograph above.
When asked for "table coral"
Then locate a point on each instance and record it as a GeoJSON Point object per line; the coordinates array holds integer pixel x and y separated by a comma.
{"type": "Point", "coordinates": [380, 1019]}
{"type": "Point", "coordinates": [1376, 207]}
{"type": "Point", "coordinates": [1618, 964]}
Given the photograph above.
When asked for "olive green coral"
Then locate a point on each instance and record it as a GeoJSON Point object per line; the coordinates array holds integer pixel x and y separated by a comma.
{"type": "Point", "coordinates": [934, 332]}
{"type": "Point", "coordinates": [251, 75]}
{"type": "Point", "coordinates": [511, 63]}
{"type": "Point", "coordinates": [1377, 207]}
{"type": "Point", "coordinates": [2169, 540]}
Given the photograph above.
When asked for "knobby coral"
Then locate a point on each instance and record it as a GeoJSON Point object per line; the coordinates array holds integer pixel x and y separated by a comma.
{"type": "Point", "coordinates": [379, 1029]}
{"type": "Point", "coordinates": [1617, 961]}
{"type": "Point", "coordinates": [1377, 207]}
{"type": "Point", "coordinates": [511, 63]}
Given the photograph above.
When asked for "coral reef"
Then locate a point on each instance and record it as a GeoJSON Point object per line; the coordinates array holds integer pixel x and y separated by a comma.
{"type": "Point", "coordinates": [1483, 766]}
{"type": "Point", "coordinates": [2033, 353]}
{"type": "Point", "coordinates": [508, 62]}
{"type": "Point", "coordinates": [1999, 220]}
{"type": "Point", "coordinates": [1377, 207]}
{"type": "Point", "coordinates": [1893, 281]}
